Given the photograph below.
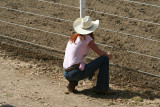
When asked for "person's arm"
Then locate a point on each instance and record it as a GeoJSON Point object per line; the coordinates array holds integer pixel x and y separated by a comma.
{"type": "Point", "coordinates": [95, 48]}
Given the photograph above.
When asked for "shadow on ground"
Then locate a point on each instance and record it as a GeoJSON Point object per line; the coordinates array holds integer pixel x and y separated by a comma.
{"type": "Point", "coordinates": [7, 105]}
{"type": "Point", "coordinates": [123, 94]}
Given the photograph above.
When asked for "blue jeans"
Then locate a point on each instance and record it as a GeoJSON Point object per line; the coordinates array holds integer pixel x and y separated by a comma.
{"type": "Point", "coordinates": [101, 63]}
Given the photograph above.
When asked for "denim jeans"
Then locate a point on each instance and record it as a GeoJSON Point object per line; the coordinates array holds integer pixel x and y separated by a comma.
{"type": "Point", "coordinates": [101, 63]}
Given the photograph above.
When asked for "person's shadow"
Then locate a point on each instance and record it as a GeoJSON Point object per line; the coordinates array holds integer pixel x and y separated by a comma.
{"type": "Point", "coordinates": [7, 105]}
{"type": "Point", "coordinates": [124, 94]}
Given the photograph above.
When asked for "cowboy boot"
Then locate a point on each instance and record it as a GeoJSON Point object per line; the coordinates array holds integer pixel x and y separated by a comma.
{"type": "Point", "coordinates": [71, 87]}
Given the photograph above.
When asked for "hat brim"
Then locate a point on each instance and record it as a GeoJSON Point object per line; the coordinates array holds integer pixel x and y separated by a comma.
{"type": "Point", "coordinates": [78, 29]}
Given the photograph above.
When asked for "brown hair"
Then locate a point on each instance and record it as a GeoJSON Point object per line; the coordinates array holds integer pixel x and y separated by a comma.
{"type": "Point", "coordinates": [74, 37]}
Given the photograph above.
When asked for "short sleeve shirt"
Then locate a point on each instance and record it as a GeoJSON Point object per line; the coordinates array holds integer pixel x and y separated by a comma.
{"type": "Point", "coordinates": [75, 52]}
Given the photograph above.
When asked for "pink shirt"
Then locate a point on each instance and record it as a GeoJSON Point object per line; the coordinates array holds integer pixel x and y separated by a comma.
{"type": "Point", "coordinates": [75, 52]}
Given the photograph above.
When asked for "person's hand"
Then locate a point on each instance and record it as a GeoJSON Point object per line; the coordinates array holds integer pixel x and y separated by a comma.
{"type": "Point", "coordinates": [109, 55]}
{"type": "Point", "coordinates": [82, 66]}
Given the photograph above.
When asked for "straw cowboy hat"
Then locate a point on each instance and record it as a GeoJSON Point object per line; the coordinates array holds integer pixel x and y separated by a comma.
{"type": "Point", "coordinates": [85, 25]}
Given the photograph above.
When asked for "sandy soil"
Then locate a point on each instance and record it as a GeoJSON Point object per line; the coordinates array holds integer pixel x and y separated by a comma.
{"type": "Point", "coordinates": [31, 60]}
{"type": "Point", "coordinates": [29, 82]}
{"type": "Point", "coordinates": [121, 76]}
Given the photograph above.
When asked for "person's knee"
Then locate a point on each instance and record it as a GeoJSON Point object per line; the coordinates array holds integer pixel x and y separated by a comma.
{"type": "Point", "coordinates": [105, 58]}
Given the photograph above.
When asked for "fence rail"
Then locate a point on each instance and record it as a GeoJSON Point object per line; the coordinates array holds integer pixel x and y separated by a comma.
{"type": "Point", "coordinates": [122, 33]}
{"type": "Point", "coordinates": [50, 48]}
{"type": "Point", "coordinates": [70, 21]}
{"type": "Point", "coordinates": [129, 51]}
{"type": "Point", "coordinates": [141, 3]}
{"type": "Point", "coordinates": [105, 13]}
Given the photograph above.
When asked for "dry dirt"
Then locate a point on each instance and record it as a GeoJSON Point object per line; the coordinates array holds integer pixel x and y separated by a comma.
{"type": "Point", "coordinates": [26, 81]}
{"type": "Point", "coordinates": [31, 65]}
{"type": "Point", "coordinates": [131, 62]}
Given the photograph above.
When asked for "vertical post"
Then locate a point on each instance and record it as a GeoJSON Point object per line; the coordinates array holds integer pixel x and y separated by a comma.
{"type": "Point", "coordinates": [82, 8]}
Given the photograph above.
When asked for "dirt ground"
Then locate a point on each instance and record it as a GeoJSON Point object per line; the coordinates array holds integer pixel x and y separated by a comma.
{"type": "Point", "coordinates": [131, 62]}
{"type": "Point", "coordinates": [37, 73]}
{"type": "Point", "coordinates": [30, 82]}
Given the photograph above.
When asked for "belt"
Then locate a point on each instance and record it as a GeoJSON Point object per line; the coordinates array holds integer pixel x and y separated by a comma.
{"type": "Point", "coordinates": [72, 67]}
